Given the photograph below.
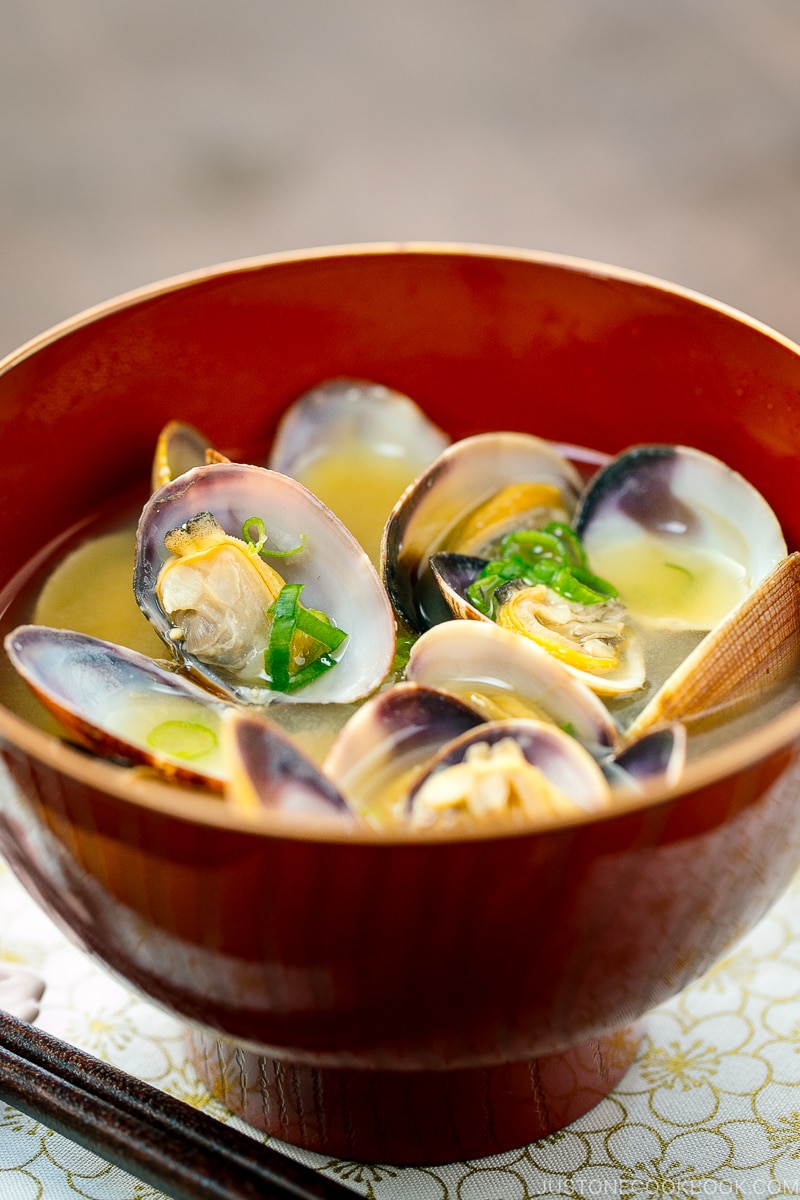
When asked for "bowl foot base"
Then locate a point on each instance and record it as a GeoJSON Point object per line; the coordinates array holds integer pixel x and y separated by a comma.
{"type": "Point", "coordinates": [407, 1117]}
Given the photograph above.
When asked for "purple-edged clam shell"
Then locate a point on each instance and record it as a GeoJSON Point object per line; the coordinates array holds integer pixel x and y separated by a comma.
{"type": "Point", "coordinates": [684, 502]}
{"type": "Point", "coordinates": [122, 704]}
{"type": "Point", "coordinates": [337, 575]}
{"type": "Point", "coordinates": [426, 518]}
{"type": "Point", "coordinates": [658, 757]}
{"type": "Point", "coordinates": [393, 735]}
{"type": "Point", "coordinates": [266, 770]}
{"type": "Point", "coordinates": [474, 658]}
{"type": "Point", "coordinates": [562, 760]}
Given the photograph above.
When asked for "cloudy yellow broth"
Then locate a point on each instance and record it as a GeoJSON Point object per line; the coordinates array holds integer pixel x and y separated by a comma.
{"type": "Point", "coordinates": [361, 488]}
{"type": "Point", "coordinates": [174, 728]}
{"type": "Point", "coordinates": [670, 585]}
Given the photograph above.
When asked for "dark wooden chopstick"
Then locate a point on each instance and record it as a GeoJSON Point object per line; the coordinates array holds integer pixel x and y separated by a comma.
{"type": "Point", "coordinates": [148, 1133]}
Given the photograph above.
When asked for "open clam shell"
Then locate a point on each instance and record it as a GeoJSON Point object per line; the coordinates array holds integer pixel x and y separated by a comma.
{"type": "Point", "coordinates": [752, 651]}
{"type": "Point", "coordinates": [341, 416]}
{"type": "Point", "coordinates": [391, 738]}
{"type": "Point", "coordinates": [454, 573]}
{"type": "Point", "coordinates": [121, 704]}
{"type": "Point", "coordinates": [484, 777]}
{"type": "Point", "coordinates": [179, 448]}
{"type": "Point", "coordinates": [337, 576]}
{"type": "Point", "coordinates": [682, 536]}
{"type": "Point", "coordinates": [370, 436]}
{"type": "Point", "coordinates": [657, 757]}
{"type": "Point", "coordinates": [503, 675]}
{"type": "Point", "coordinates": [266, 770]}
{"type": "Point", "coordinates": [448, 508]}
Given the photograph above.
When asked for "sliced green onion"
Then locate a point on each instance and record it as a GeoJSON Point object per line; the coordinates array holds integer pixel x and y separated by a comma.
{"type": "Point", "coordinates": [182, 739]}
{"type": "Point", "coordinates": [678, 567]}
{"type": "Point", "coordinates": [310, 672]}
{"type": "Point", "coordinates": [566, 535]}
{"type": "Point", "coordinates": [605, 590]}
{"type": "Point", "coordinates": [531, 544]}
{"type": "Point", "coordinates": [318, 626]}
{"type": "Point", "coordinates": [256, 545]}
{"type": "Point", "coordinates": [553, 556]}
{"type": "Point", "coordinates": [278, 654]}
{"type": "Point", "coordinates": [566, 584]}
{"type": "Point", "coordinates": [288, 618]}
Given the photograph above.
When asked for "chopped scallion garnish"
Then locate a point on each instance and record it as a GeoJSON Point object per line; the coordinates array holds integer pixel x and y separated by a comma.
{"type": "Point", "coordinates": [256, 544]}
{"type": "Point", "coordinates": [553, 556]}
{"type": "Point", "coordinates": [182, 739]}
{"type": "Point", "coordinates": [288, 619]}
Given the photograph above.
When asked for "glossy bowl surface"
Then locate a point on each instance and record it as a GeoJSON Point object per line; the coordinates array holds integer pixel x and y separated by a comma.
{"type": "Point", "coordinates": [385, 959]}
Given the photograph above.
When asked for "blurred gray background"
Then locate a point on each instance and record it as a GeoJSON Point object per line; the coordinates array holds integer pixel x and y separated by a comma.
{"type": "Point", "coordinates": [144, 138]}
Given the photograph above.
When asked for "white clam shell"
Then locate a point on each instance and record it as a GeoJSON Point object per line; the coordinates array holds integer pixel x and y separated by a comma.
{"type": "Point", "coordinates": [341, 414]}
{"type": "Point", "coordinates": [337, 575]}
{"type": "Point", "coordinates": [393, 735]}
{"type": "Point", "coordinates": [670, 501]}
{"type": "Point", "coordinates": [357, 445]}
{"type": "Point", "coordinates": [461, 479]}
{"type": "Point", "coordinates": [466, 657]}
{"type": "Point", "coordinates": [114, 699]}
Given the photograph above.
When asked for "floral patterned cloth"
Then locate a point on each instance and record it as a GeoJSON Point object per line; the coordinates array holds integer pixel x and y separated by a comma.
{"type": "Point", "coordinates": [711, 1106]}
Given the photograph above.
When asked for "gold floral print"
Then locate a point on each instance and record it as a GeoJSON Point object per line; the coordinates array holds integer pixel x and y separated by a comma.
{"type": "Point", "coordinates": [686, 1067]}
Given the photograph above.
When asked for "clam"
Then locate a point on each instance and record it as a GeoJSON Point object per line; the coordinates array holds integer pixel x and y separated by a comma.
{"type": "Point", "coordinates": [657, 757]}
{"type": "Point", "coordinates": [121, 704]}
{"type": "Point", "coordinates": [266, 770]}
{"type": "Point", "coordinates": [504, 676]}
{"type": "Point", "coordinates": [508, 773]}
{"type": "Point", "coordinates": [391, 738]}
{"type": "Point", "coordinates": [596, 642]}
{"type": "Point", "coordinates": [752, 652]}
{"type": "Point", "coordinates": [179, 447]}
{"type": "Point", "coordinates": [317, 626]}
{"type": "Point", "coordinates": [682, 536]}
{"type": "Point", "coordinates": [371, 438]}
{"type": "Point", "coordinates": [475, 492]}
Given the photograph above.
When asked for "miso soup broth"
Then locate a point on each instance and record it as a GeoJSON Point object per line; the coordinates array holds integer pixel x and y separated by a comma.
{"type": "Point", "coordinates": [84, 584]}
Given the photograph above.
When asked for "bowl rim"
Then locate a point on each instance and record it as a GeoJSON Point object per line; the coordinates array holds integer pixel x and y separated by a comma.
{"type": "Point", "coordinates": [138, 787]}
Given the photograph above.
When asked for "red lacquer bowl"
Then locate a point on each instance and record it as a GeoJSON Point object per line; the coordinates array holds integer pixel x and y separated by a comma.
{"type": "Point", "coordinates": [376, 998]}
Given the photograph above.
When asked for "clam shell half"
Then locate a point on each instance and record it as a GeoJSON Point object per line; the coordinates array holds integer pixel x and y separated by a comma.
{"type": "Point", "coordinates": [431, 514]}
{"type": "Point", "coordinates": [754, 650]}
{"type": "Point", "coordinates": [121, 704]}
{"type": "Point", "coordinates": [337, 575]}
{"type": "Point", "coordinates": [504, 675]}
{"type": "Point", "coordinates": [455, 572]}
{"type": "Point", "coordinates": [682, 536]}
